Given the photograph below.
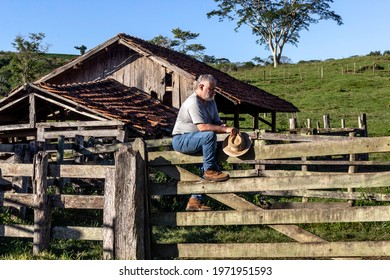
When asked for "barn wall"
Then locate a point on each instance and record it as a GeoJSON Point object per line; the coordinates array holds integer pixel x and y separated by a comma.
{"type": "Point", "coordinates": [99, 66]}
{"type": "Point", "coordinates": [144, 74]}
{"type": "Point", "coordinates": [131, 69]}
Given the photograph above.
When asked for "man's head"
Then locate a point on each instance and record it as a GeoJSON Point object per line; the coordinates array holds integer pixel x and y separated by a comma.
{"type": "Point", "coordinates": [205, 87]}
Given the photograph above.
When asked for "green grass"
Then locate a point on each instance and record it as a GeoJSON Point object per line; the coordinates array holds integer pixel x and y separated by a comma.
{"type": "Point", "coordinates": [341, 94]}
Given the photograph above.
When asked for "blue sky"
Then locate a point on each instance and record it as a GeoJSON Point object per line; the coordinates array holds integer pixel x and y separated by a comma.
{"type": "Point", "coordinates": [70, 23]}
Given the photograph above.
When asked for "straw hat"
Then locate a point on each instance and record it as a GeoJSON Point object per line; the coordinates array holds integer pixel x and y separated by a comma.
{"type": "Point", "coordinates": [236, 145]}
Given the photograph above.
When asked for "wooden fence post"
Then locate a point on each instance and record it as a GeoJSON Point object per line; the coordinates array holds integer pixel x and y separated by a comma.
{"type": "Point", "coordinates": [140, 146]}
{"type": "Point", "coordinates": [42, 213]}
{"type": "Point", "coordinates": [109, 216]}
{"type": "Point", "coordinates": [326, 121]}
{"type": "Point", "coordinates": [129, 226]}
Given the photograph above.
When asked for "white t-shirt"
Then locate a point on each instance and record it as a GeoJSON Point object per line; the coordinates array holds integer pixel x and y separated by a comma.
{"type": "Point", "coordinates": [194, 111]}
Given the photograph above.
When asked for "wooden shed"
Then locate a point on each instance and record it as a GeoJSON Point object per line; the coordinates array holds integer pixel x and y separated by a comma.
{"type": "Point", "coordinates": [166, 75]}
{"type": "Point", "coordinates": [103, 108]}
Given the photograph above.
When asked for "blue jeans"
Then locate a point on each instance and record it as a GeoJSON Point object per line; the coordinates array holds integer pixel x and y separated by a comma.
{"type": "Point", "coordinates": [195, 142]}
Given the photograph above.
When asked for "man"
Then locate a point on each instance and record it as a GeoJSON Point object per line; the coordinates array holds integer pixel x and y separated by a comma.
{"type": "Point", "coordinates": [195, 131]}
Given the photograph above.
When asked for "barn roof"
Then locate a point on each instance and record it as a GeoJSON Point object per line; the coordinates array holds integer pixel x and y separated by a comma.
{"type": "Point", "coordinates": [108, 99]}
{"type": "Point", "coordinates": [237, 92]}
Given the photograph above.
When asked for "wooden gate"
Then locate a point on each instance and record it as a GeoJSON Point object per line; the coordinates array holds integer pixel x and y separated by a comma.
{"type": "Point", "coordinates": [324, 171]}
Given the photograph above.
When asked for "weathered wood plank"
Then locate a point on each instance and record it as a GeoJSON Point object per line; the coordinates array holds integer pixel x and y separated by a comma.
{"type": "Point", "coordinates": [330, 194]}
{"type": "Point", "coordinates": [308, 205]}
{"type": "Point", "coordinates": [280, 216]}
{"type": "Point", "coordinates": [78, 171]}
{"type": "Point", "coordinates": [16, 169]}
{"type": "Point", "coordinates": [102, 123]}
{"type": "Point", "coordinates": [62, 201]}
{"type": "Point", "coordinates": [297, 137]}
{"type": "Point", "coordinates": [257, 184]}
{"type": "Point", "coordinates": [77, 233]}
{"type": "Point", "coordinates": [275, 250]}
{"type": "Point", "coordinates": [282, 151]}
{"type": "Point", "coordinates": [17, 230]}
{"type": "Point", "coordinates": [4, 128]}
{"type": "Point", "coordinates": [16, 199]}
{"type": "Point", "coordinates": [69, 201]}
{"type": "Point", "coordinates": [72, 133]}
{"type": "Point", "coordinates": [55, 170]}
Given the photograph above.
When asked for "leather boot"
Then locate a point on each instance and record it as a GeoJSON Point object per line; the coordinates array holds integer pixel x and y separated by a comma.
{"type": "Point", "coordinates": [194, 204]}
{"type": "Point", "coordinates": [215, 176]}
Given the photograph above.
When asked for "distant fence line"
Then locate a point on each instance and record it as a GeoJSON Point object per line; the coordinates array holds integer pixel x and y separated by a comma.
{"type": "Point", "coordinates": [312, 71]}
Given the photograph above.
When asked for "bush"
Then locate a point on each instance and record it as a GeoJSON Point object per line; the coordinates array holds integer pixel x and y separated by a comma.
{"type": "Point", "coordinates": [375, 53]}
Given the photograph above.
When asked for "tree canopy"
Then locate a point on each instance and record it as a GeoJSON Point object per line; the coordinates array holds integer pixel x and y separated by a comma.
{"type": "Point", "coordinates": [275, 22]}
{"type": "Point", "coordinates": [29, 58]}
{"type": "Point", "coordinates": [180, 43]}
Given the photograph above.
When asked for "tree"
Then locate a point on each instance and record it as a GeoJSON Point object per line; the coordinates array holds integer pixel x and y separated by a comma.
{"type": "Point", "coordinates": [81, 48]}
{"type": "Point", "coordinates": [163, 42]}
{"type": "Point", "coordinates": [275, 22]}
{"type": "Point", "coordinates": [29, 60]}
{"type": "Point", "coordinates": [180, 43]}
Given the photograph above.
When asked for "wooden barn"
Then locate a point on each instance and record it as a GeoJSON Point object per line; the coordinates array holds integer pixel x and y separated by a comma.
{"type": "Point", "coordinates": [122, 89]}
{"type": "Point", "coordinates": [103, 108]}
{"type": "Point", "coordinates": [166, 75]}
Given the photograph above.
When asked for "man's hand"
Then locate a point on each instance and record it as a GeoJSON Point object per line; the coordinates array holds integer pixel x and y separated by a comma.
{"type": "Point", "coordinates": [232, 130]}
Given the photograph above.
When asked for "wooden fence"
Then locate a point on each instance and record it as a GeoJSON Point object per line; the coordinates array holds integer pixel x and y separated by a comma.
{"type": "Point", "coordinates": [124, 186]}
{"type": "Point", "coordinates": [311, 167]}
{"type": "Point", "coordinates": [327, 184]}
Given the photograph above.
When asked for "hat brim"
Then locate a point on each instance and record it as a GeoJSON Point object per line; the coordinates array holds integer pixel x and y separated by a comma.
{"type": "Point", "coordinates": [227, 149]}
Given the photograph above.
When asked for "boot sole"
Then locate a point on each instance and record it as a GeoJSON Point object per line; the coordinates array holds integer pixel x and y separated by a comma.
{"type": "Point", "coordinates": [217, 180]}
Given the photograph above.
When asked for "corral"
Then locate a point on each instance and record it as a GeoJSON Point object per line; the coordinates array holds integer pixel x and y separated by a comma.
{"type": "Point", "coordinates": [277, 166]}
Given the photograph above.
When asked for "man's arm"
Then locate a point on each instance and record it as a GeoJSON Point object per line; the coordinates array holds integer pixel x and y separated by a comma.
{"type": "Point", "coordinates": [216, 128]}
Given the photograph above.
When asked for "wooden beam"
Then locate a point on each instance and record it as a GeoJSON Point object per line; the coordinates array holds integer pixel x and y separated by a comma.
{"type": "Point", "coordinates": [330, 195]}
{"type": "Point", "coordinates": [356, 145]}
{"type": "Point", "coordinates": [275, 250]}
{"type": "Point", "coordinates": [32, 112]}
{"type": "Point", "coordinates": [77, 124]}
{"type": "Point", "coordinates": [78, 171]}
{"type": "Point", "coordinates": [72, 133]}
{"type": "Point", "coordinates": [77, 233]}
{"type": "Point", "coordinates": [270, 217]}
{"type": "Point", "coordinates": [68, 232]}
{"type": "Point", "coordinates": [258, 184]}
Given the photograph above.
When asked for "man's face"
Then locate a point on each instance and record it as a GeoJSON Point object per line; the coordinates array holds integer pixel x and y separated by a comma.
{"type": "Point", "coordinates": [207, 91]}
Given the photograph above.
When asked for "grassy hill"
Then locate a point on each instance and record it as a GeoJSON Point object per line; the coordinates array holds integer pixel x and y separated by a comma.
{"type": "Point", "coordinates": [341, 88]}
